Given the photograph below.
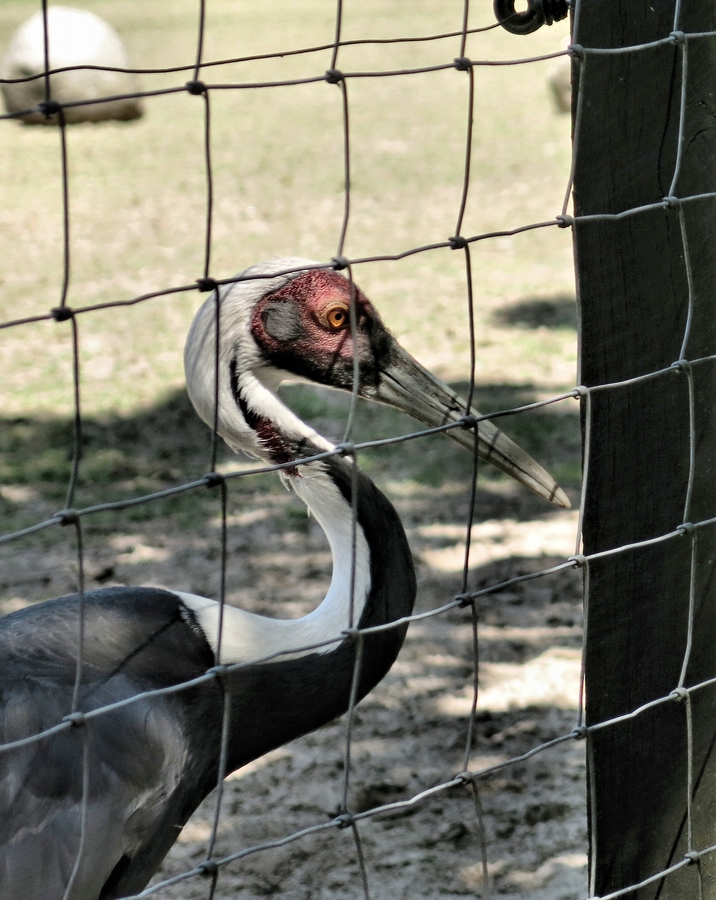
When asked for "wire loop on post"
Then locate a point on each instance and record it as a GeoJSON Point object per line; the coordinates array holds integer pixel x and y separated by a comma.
{"type": "Point", "coordinates": [538, 13]}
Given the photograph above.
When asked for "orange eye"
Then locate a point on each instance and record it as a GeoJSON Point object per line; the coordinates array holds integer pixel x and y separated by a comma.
{"type": "Point", "coordinates": [337, 317]}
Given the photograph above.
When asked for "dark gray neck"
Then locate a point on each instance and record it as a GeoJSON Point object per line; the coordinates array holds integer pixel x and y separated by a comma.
{"type": "Point", "coordinates": [276, 702]}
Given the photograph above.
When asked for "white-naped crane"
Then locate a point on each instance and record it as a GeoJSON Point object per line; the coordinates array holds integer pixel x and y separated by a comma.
{"type": "Point", "coordinates": [145, 766]}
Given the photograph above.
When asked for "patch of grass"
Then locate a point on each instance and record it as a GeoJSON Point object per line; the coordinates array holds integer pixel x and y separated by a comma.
{"type": "Point", "coordinates": [137, 194]}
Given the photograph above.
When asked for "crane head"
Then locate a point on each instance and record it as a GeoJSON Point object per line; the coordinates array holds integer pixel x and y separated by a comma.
{"type": "Point", "coordinates": [291, 318]}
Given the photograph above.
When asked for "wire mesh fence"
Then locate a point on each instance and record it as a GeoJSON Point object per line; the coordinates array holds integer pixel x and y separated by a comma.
{"type": "Point", "coordinates": [205, 876]}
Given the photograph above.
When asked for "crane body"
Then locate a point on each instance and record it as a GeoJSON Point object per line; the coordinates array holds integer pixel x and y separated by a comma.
{"type": "Point", "coordinates": [144, 766]}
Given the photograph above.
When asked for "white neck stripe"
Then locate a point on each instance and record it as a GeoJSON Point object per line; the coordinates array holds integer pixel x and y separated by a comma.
{"type": "Point", "coordinates": [248, 636]}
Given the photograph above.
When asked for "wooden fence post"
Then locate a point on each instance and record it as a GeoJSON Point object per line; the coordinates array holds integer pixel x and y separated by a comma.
{"type": "Point", "coordinates": [645, 281]}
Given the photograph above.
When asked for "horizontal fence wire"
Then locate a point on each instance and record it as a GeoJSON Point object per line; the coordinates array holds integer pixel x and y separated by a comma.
{"type": "Point", "coordinates": [350, 448]}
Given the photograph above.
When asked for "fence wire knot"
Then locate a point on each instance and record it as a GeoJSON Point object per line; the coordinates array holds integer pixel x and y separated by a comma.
{"type": "Point", "coordinates": [219, 672]}
{"type": "Point", "coordinates": [564, 221]}
{"type": "Point", "coordinates": [196, 87]}
{"type": "Point", "coordinates": [462, 63]}
{"type": "Point", "coordinates": [465, 777]}
{"type": "Point", "coordinates": [334, 76]}
{"type": "Point", "coordinates": [576, 51]}
{"type": "Point", "coordinates": [76, 719]}
{"type": "Point", "coordinates": [213, 479]}
{"type": "Point", "coordinates": [686, 528]}
{"type": "Point", "coordinates": [580, 732]}
{"type": "Point", "coordinates": [62, 313]}
{"type": "Point", "coordinates": [339, 262]}
{"type": "Point", "coordinates": [678, 37]}
{"type": "Point", "coordinates": [345, 820]}
{"type": "Point", "coordinates": [693, 856]}
{"type": "Point", "coordinates": [679, 694]}
{"type": "Point", "coordinates": [457, 242]}
{"type": "Point", "coordinates": [682, 365]}
{"type": "Point", "coordinates": [49, 108]}
{"type": "Point", "coordinates": [209, 868]}
{"type": "Point", "coordinates": [206, 284]}
{"type": "Point", "coordinates": [68, 517]}
{"type": "Point", "coordinates": [579, 560]}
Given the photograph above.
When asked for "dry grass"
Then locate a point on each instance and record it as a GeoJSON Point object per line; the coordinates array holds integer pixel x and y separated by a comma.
{"type": "Point", "coordinates": [138, 195]}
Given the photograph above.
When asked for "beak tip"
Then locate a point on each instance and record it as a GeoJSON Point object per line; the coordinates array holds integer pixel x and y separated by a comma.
{"type": "Point", "coordinates": [559, 498]}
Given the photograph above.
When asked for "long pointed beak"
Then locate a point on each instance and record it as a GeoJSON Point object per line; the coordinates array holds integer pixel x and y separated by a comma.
{"type": "Point", "coordinates": [409, 387]}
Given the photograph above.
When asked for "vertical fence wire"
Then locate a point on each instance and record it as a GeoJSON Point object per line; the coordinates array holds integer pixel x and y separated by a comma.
{"type": "Point", "coordinates": [209, 179]}
{"type": "Point", "coordinates": [84, 803]}
{"type": "Point", "coordinates": [77, 415]}
{"type": "Point", "coordinates": [65, 207]}
{"type": "Point", "coordinates": [80, 617]}
{"type": "Point", "coordinates": [46, 52]}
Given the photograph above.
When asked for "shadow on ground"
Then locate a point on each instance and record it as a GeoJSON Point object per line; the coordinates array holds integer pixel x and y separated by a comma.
{"type": "Point", "coordinates": [559, 311]}
{"type": "Point", "coordinates": [410, 733]}
{"type": "Point", "coordinates": [167, 444]}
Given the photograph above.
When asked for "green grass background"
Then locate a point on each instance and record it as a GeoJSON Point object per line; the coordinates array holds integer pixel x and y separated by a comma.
{"type": "Point", "coordinates": [137, 205]}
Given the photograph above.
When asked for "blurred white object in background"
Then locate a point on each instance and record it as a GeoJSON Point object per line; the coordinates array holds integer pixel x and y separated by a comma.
{"type": "Point", "coordinates": [76, 38]}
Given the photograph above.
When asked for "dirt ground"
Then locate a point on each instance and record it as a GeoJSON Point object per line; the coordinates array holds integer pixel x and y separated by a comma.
{"type": "Point", "coordinates": [409, 736]}
{"type": "Point", "coordinates": [410, 733]}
